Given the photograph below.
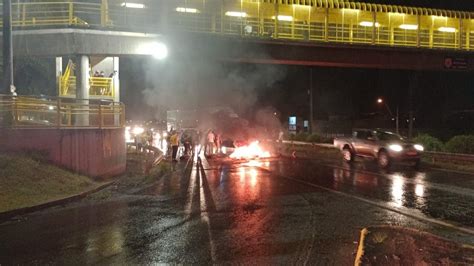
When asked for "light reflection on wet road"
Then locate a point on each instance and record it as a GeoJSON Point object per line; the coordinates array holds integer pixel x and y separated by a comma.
{"type": "Point", "coordinates": [226, 211]}
{"type": "Point", "coordinates": [442, 195]}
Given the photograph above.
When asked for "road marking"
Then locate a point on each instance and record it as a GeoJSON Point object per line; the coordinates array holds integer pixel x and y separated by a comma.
{"type": "Point", "coordinates": [206, 203]}
{"type": "Point", "coordinates": [360, 249]}
{"type": "Point", "coordinates": [440, 186]}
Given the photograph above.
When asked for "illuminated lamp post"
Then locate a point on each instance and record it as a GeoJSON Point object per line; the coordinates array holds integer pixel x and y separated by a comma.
{"type": "Point", "coordinates": [381, 101]}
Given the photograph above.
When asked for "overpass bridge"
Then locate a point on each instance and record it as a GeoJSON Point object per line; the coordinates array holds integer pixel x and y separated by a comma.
{"type": "Point", "coordinates": [304, 32]}
{"type": "Point", "coordinates": [86, 36]}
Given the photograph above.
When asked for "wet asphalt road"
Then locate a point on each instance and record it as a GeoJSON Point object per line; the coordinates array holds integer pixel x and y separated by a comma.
{"type": "Point", "coordinates": [220, 211]}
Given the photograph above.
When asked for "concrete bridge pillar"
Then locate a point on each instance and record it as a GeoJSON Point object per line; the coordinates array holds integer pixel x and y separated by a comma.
{"type": "Point", "coordinates": [82, 89]}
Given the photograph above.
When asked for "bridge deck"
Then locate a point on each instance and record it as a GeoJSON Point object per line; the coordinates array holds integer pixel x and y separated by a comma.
{"type": "Point", "coordinates": [331, 21]}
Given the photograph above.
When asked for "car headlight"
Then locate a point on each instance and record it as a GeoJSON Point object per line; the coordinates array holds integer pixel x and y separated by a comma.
{"type": "Point", "coordinates": [418, 147]}
{"type": "Point", "coordinates": [395, 147]}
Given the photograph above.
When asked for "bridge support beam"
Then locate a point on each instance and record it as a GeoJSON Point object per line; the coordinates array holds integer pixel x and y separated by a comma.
{"type": "Point", "coordinates": [116, 83]}
{"type": "Point", "coordinates": [7, 48]}
{"type": "Point", "coordinates": [82, 89]}
{"type": "Point", "coordinates": [59, 71]}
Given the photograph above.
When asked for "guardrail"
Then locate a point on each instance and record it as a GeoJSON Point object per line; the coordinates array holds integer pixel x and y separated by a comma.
{"type": "Point", "coordinates": [56, 112]}
{"type": "Point", "coordinates": [146, 159]}
{"type": "Point", "coordinates": [449, 157]}
{"type": "Point", "coordinates": [345, 22]}
{"type": "Point", "coordinates": [99, 87]}
{"type": "Point", "coordinates": [430, 155]}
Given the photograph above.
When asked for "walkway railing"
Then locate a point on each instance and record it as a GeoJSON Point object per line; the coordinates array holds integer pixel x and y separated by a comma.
{"type": "Point", "coordinates": [337, 21]}
{"type": "Point", "coordinates": [52, 112]}
{"type": "Point", "coordinates": [99, 87]}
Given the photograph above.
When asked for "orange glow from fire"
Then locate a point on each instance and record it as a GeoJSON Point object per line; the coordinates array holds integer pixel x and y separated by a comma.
{"type": "Point", "coordinates": [249, 152]}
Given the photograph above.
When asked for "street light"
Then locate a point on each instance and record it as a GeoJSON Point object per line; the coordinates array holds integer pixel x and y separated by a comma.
{"type": "Point", "coordinates": [156, 49]}
{"type": "Point", "coordinates": [380, 101]}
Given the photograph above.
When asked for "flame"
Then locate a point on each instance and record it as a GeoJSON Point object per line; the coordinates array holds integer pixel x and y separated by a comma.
{"type": "Point", "coordinates": [253, 150]}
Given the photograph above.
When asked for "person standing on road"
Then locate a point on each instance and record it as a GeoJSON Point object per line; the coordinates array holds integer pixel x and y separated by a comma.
{"type": "Point", "coordinates": [280, 136]}
{"type": "Point", "coordinates": [139, 142]}
{"type": "Point", "coordinates": [210, 143]}
{"type": "Point", "coordinates": [218, 142]}
{"type": "Point", "coordinates": [174, 142]}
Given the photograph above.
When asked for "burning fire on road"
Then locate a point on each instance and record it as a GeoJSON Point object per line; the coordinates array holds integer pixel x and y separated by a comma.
{"type": "Point", "coordinates": [251, 151]}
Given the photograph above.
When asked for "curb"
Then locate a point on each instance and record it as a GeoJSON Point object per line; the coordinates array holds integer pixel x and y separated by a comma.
{"type": "Point", "coordinates": [365, 231]}
{"type": "Point", "coordinates": [12, 213]}
{"type": "Point", "coordinates": [360, 249]}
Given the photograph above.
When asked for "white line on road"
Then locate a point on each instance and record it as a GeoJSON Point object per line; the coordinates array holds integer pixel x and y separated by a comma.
{"type": "Point", "coordinates": [466, 230]}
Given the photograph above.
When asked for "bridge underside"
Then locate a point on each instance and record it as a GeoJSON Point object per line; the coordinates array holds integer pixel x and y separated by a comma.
{"type": "Point", "coordinates": [251, 50]}
{"type": "Point", "coordinates": [66, 42]}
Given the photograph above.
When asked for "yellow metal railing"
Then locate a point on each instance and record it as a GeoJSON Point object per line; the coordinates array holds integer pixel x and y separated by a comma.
{"type": "Point", "coordinates": [65, 78]}
{"type": "Point", "coordinates": [52, 112]}
{"type": "Point", "coordinates": [100, 87]}
{"type": "Point", "coordinates": [337, 21]}
{"type": "Point", "coordinates": [48, 13]}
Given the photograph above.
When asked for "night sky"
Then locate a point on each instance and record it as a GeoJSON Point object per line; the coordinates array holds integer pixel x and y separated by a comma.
{"type": "Point", "coordinates": [338, 92]}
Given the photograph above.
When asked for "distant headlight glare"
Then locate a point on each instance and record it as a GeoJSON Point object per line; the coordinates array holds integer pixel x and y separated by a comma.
{"type": "Point", "coordinates": [418, 147]}
{"type": "Point", "coordinates": [395, 147]}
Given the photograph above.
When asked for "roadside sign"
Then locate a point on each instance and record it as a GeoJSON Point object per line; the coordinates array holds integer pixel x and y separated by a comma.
{"type": "Point", "coordinates": [292, 123]}
{"type": "Point", "coordinates": [460, 63]}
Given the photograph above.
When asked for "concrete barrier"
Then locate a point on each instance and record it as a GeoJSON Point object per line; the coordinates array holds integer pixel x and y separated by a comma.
{"type": "Point", "coordinates": [96, 153]}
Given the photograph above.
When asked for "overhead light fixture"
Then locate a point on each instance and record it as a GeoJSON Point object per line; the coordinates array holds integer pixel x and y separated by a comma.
{"type": "Point", "coordinates": [350, 10]}
{"type": "Point", "coordinates": [302, 6]}
{"type": "Point", "coordinates": [409, 26]}
{"type": "Point", "coordinates": [156, 49]}
{"type": "Point", "coordinates": [132, 5]}
{"type": "Point", "coordinates": [396, 14]}
{"type": "Point", "coordinates": [447, 29]}
{"type": "Point", "coordinates": [284, 18]}
{"type": "Point", "coordinates": [369, 24]}
{"type": "Point", "coordinates": [236, 14]}
{"type": "Point", "coordinates": [186, 10]}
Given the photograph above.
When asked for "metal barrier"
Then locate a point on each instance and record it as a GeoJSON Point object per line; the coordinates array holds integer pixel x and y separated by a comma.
{"type": "Point", "coordinates": [335, 21]}
{"type": "Point", "coordinates": [450, 157]}
{"type": "Point", "coordinates": [100, 87]}
{"type": "Point", "coordinates": [49, 13]}
{"type": "Point", "coordinates": [52, 112]}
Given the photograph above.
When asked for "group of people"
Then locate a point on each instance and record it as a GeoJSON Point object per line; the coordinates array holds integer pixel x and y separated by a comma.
{"type": "Point", "coordinates": [186, 138]}
{"type": "Point", "coordinates": [101, 74]}
{"type": "Point", "coordinates": [143, 140]}
{"type": "Point", "coordinates": [213, 143]}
